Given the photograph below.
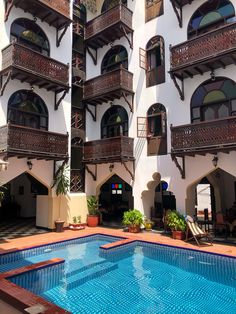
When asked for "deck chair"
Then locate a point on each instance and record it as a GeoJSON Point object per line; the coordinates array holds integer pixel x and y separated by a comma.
{"type": "Point", "coordinates": [196, 231]}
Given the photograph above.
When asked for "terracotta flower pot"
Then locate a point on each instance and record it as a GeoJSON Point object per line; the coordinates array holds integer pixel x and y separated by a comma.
{"type": "Point", "coordinates": [59, 225]}
{"type": "Point", "coordinates": [76, 226]}
{"type": "Point", "coordinates": [92, 221]}
{"type": "Point", "coordinates": [134, 229]}
{"type": "Point", "coordinates": [178, 235]}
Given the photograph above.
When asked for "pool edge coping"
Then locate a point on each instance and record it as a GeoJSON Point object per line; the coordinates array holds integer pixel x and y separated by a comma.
{"type": "Point", "coordinates": [6, 297]}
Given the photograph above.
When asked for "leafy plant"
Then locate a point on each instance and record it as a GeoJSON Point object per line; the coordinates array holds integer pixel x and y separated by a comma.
{"type": "Point", "coordinates": [133, 217]}
{"type": "Point", "coordinates": [93, 205]}
{"type": "Point", "coordinates": [175, 221]}
{"type": "Point", "coordinates": [62, 183]}
{"type": "Point", "coordinates": [76, 220]}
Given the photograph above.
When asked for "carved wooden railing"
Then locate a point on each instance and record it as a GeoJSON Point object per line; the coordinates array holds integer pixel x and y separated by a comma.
{"type": "Point", "coordinates": [111, 17]}
{"type": "Point", "coordinates": [77, 119]}
{"type": "Point", "coordinates": [78, 61]}
{"type": "Point", "coordinates": [109, 149]}
{"type": "Point", "coordinates": [18, 140]}
{"type": "Point", "coordinates": [204, 135]}
{"type": "Point", "coordinates": [78, 28]}
{"type": "Point", "coordinates": [114, 80]}
{"type": "Point", "coordinates": [77, 180]}
{"type": "Point", "coordinates": [24, 58]}
{"type": "Point", "coordinates": [210, 45]}
{"type": "Point", "coordinates": [61, 6]}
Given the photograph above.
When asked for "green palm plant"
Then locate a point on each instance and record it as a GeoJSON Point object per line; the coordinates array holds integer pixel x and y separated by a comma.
{"type": "Point", "coordinates": [93, 205]}
{"type": "Point", "coordinates": [62, 183]}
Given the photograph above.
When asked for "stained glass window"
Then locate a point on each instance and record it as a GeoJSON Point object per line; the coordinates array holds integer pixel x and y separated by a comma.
{"type": "Point", "coordinates": [210, 15]}
{"type": "Point", "coordinates": [28, 109]}
{"type": "Point", "coordinates": [114, 122]}
{"type": "Point", "coordinates": [213, 100]}
{"type": "Point", "coordinates": [114, 58]}
{"type": "Point", "coordinates": [29, 34]}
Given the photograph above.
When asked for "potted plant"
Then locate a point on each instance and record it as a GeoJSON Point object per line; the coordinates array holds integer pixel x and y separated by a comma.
{"type": "Point", "coordinates": [76, 225]}
{"type": "Point", "coordinates": [62, 184]}
{"type": "Point", "coordinates": [176, 222]}
{"type": "Point", "coordinates": [148, 223]}
{"type": "Point", "coordinates": [94, 214]}
{"type": "Point", "coordinates": [133, 219]}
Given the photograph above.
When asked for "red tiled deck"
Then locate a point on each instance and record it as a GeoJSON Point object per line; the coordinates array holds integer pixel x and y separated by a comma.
{"type": "Point", "coordinates": [13, 292]}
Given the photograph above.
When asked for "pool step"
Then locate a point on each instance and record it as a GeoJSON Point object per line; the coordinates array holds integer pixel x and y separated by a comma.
{"type": "Point", "coordinates": [83, 276]}
{"type": "Point", "coordinates": [75, 270]}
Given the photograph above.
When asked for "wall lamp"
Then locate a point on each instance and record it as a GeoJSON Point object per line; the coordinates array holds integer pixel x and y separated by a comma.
{"type": "Point", "coordinates": [29, 164]}
{"type": "Point", "coordinates": [215, 161]}
{"type": "Point", "coordinates": [3, 165]}
{"type": "Point", "coordinates": [111, 167]}
{"type": "Point", "coordinates": [212, 75]}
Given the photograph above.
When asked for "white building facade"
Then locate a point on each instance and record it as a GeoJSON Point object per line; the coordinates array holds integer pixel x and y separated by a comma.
{"type": "Point", "coordinates": [180, 59]}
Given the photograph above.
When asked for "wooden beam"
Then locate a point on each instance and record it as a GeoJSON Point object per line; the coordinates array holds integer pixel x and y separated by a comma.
{"type": "Point", "coordinates": [180, 168]}
{"type": "Point", "coordinates": [93, 174]}
{"type": "Point", "coordinates": [180, 88]}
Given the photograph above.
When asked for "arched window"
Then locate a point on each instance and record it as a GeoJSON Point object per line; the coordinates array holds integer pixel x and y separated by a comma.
{"type": "Point", "coordinates": [114, 58]}
{"type": "Point", "coordinates": [114, 122]}
{"type": "Point", "coordinates": [109, 4]}
{"type": "Point", "coordinates": [155, 61]}
{"type": "Point", "coordinates": [210, 15]}
{"type": "Point", "coordinates": [156, 129]}
{"type": "Point", "coordinates": [27, 109]}
{"type": "Point", "coordinates": [156, 116]}
{"type": "Point", "coordinates": [28, 33]}
{"type": "Point", "coordinates": [214, 99]}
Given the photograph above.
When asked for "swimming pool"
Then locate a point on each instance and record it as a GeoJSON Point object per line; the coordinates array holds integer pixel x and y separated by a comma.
{"type": "Point", "coordinates": [135, 278]}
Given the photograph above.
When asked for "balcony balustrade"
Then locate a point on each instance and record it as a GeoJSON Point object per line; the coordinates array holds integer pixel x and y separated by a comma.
{"type": "Point", "coordinates": [109, 150]}
{"type": "Point", "coordinates": [20, 141]}
{"type": "Point", "coordinates": [204, 137]}
{"type": "Point", "coordinates": [108, 86]}
{"type": "Point", "coordinates": [29, 66]}
{"type": "Point", "coordinates": [53, 12]}
{"type": "Point", "coordinates": [109, 26]}
{"type": "Point", "coordinates": [204, 53]}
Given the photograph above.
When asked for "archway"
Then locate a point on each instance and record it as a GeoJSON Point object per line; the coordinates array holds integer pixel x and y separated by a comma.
{"type": "Point", "coordinates": [213, 194]}
{"type": "Point", "coordinates": [19, 204]}
{"type": "Point", "coordinates": [163, 200]}
{"type": "Point", "coordinates": [115, 198]}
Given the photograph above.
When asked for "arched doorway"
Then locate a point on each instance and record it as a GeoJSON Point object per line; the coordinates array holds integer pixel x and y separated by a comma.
{"type": "Point", "coordinates": [211, 195]}
{"type": "Point", "coordinates": [163, 200]}
{"type": "Point", "coordinates": [18, 208]}
{"type": "Point", "coordinates": [115, 198]}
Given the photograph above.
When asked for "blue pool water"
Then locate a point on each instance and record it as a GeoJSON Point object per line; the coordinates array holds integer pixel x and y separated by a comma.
{"type": "Point", "coordinates": [136, 278]}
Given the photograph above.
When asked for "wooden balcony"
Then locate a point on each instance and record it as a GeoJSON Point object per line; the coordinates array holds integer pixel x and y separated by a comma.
{"type": "Point", "coordinates": [108, 86]}
{"type": "Point", "coordinates": [207, 52]}
{"type": "Point", "coordinates": [27, 65]}
{"type": "Point", "coordinates": [204, 137]}
{"type": "Point", "coordinates": [20, 141]}
{"type": "Point", "coordinates": [53, 12]}
{"type": "Point", "coordinates": [109, 26]}
{"type": "Point", "coordinates": [107, 150]}
{"type": "Point", "coordinates": [181, 3]}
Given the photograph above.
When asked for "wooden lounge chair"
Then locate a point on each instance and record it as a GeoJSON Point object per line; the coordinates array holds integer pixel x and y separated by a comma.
{"type": "Point", "coordinates": [196, 231]}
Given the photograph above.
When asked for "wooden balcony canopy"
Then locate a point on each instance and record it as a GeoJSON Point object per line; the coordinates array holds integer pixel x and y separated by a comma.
{"type": "Point", "coordinates": [204, 137]}
{"type": "Point", "coordinates": [19, 141]}
{"type": "Point", "coordinates": [22, 63]}
{"type": "Point", "coordinates": [178, 9]}
{"type": "Point", "coordinates": [181, 3]}
{"type": "Point", "coordinates": [109, 86]}
{"type": "Point", "coordinates": [54, 12]}
{"type": "Point", "coordinates": [215, 49]}
{"type": "Point", "coordinates": [115, 149]}
{"type": "Point", "coordinates": [109, 26]}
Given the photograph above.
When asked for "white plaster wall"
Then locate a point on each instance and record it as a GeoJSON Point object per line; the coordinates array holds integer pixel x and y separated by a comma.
{"type": "Point", "coordinates": [178, 112]}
